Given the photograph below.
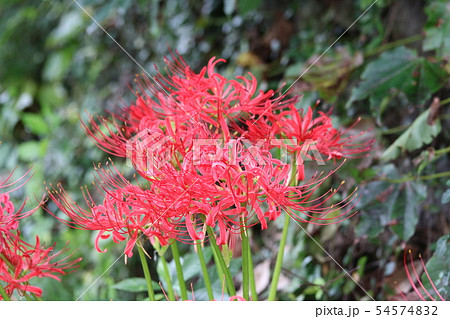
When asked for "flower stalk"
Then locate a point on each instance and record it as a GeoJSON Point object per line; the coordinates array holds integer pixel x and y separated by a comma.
{"type": "Point", "coordinates": [220, 273]}
{"type": "Point", "coordinates": [206, 279]}
{"type": "Point", "coordinates": [168, 280]}
{"type": "Point", "coordinates": [226, 271]}
{"type": "Point", "coordinates": [287, 219]}
{"type": "Point", "coordinates": [148, 278]}
{"type": "Point", "coordinates": [279, 261]}
{"type": "Point", "coordinates": [245, 262]}
{"type": "Point", "coordinates": [254, 294]}
{"type": "Point", "coordinates": [4, 294]}
{"type": "Point", "coordinates": [181, 281]}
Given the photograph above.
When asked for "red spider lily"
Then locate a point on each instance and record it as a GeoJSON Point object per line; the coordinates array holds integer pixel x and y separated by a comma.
{"type": "Point", "coordinates": [9, 216]}
{"type": "Point", "coordinates": [183, 102]}
{"type": "Point", "coordinates": [320, 132]}
{"type": "Point", "coordinates": [253, 177]}
{"type": "Point", "coordinates": [177, 203]}
{"type": "Point", "coordinates": [125, 214]}
{"type": "Point", "coordinates": [176, 110]}
{"type": "Point", "coordinates": [233, 187]}
{"type": "Point", "coordinates": [164, 209]}
{"type": "Point", "coordinates": [22, 262]}
{"type": "Point", "coordinates": [426, 296]}
{"type": "Point", "coordinates": [191, 184]}
{"type": "Point", "coordinates": [206, 96]}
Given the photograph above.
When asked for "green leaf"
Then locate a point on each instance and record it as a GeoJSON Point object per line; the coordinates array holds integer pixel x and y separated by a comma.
{"type": "Point", "coordinates": [377, 203]}
{"type": "Point", "coordinates": [70, 24]}
{"type": "Point", "coordinates": [330, 75]}
{"type": "Point", "coordinates": [431, 78]}
{"type": "Point", "coordinates": [393, 69]}
{"type": "Point", "coordinates": [374, 220]}
{"type": "Point", "coordinates": [109, 9]}
{"type": "Point", "coordinates": [35, 123]}
{"type": "Point", "coordinates": [438, 269]}
{"type": "Point", "coordinates": [248, 5]}
{"type": "Point", "coordinates": [313, 289]}
{"type": "Point", "coordinates": [399, 70]}
{"type": "Point", "coordinates": [30, 151]}
{"type": "Point", "coordinates": [418, 134]}
{"type": "Point", "coordinates": [393, 205]}
{"type": "Point", "coordinates": [446, 197]}
{"type": "Point", "coordinates": [361, 265]}
{"type": "Point", "coordinates": [51, 96]}
{"type": "Point", "coordinates": [227, 254]}
{"type": "Point", "coordinates": [438, 29]}
{"type": "Point", "coordinates": [134, 284]}
{"type": "Point", "coordinates": [229, 6]}
{"type": "Point", "coordinates": [407, 208]}
{"type": "Point", "coordinates": [57, 65]}
{"type": "Point", "coordinates": [8, 155]}
{"type": "Point", "coordinates": [191, 264]}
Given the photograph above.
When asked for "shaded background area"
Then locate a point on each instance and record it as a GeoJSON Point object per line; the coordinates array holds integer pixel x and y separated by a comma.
{"type": "Point", "coordinates": [391, 69]}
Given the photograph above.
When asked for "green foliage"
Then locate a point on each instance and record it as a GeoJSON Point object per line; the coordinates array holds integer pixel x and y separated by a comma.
{"type": "Point", "coordinates": [440, 275]}
{"type": "Point", "coordinates": [418, 134]}
{"type": "Point", "coordinates": [135, 284]}
{"type": "Point", "coordinates": [438, 29]}
{"type": "Point", "coordinates": [398, 70]}
{"type": "Point", "coordinates": [446, 196]}
{"type": "Point", "coordinates": [407, 208]}
{"type": "Point", "coordinates": [191, 265]}
{"type": "Point", "coordinates": [396, 205]}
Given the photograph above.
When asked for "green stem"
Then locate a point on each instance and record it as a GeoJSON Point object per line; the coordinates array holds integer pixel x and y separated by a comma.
{"type": "Point", "coordinates": [225, 269]}
{"type": "Point", "coordinates": [245, 263]}
{"type": "Point", "coordinates": [7, 262]}
{"type": "Point", "coordinates": [148, 278]}
{"type": "Point", "coordinates": [395, 130]}
{"type": "Point", "coordinates": [28, 298]}
{"type": "Point", "coordinates": [394, 44]}
{"type": "Point", "coordinates": [176, 258]}
{"type": "Point", "coordinates": [287, 219]}
{"type": "Point", "coordinates": [216, 254]}
{"type": "Point", "coordinates": [201, 258]}
{"type": "Point", "coordinates": [4, 294]}
{"type": "Point", "coordinates": [433, 176]}
{"type": "Point", "coordinates": [445, 101]}
{"type": "Point", "coordinates": [220, 272]}
{"type": "Point", "coordinates": [411, 177]}
{"type": "Point", "coordinates": [170, 291]}
{"type": "Point", "coordinates": [279, 261]}
{"type": "Point", "coordinates": [252, 273]}
{"type": "Point", "coordinates": [36, 298]}
{"type": "Point", "coordinates": [442, 151]}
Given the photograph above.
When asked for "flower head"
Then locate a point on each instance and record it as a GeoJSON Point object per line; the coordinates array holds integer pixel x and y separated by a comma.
{"type": "Point", "coordinates": [126, 212]}
{"type": "Point", "coordinates": [9, 215]}
{"type": "Point", "coordinates": [20, 261]}
{"type": "Point", "coordinates": [204, 146]}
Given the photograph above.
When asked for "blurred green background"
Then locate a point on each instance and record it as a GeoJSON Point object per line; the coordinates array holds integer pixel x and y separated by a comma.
{"type": "Point", "coordinates": [57, 65]}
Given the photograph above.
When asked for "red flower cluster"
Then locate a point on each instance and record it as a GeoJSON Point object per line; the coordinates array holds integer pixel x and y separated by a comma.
{"type": "Point", "coordinates": [204, 145]}
{"type": "Point", "coordinates": [19, 260]}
